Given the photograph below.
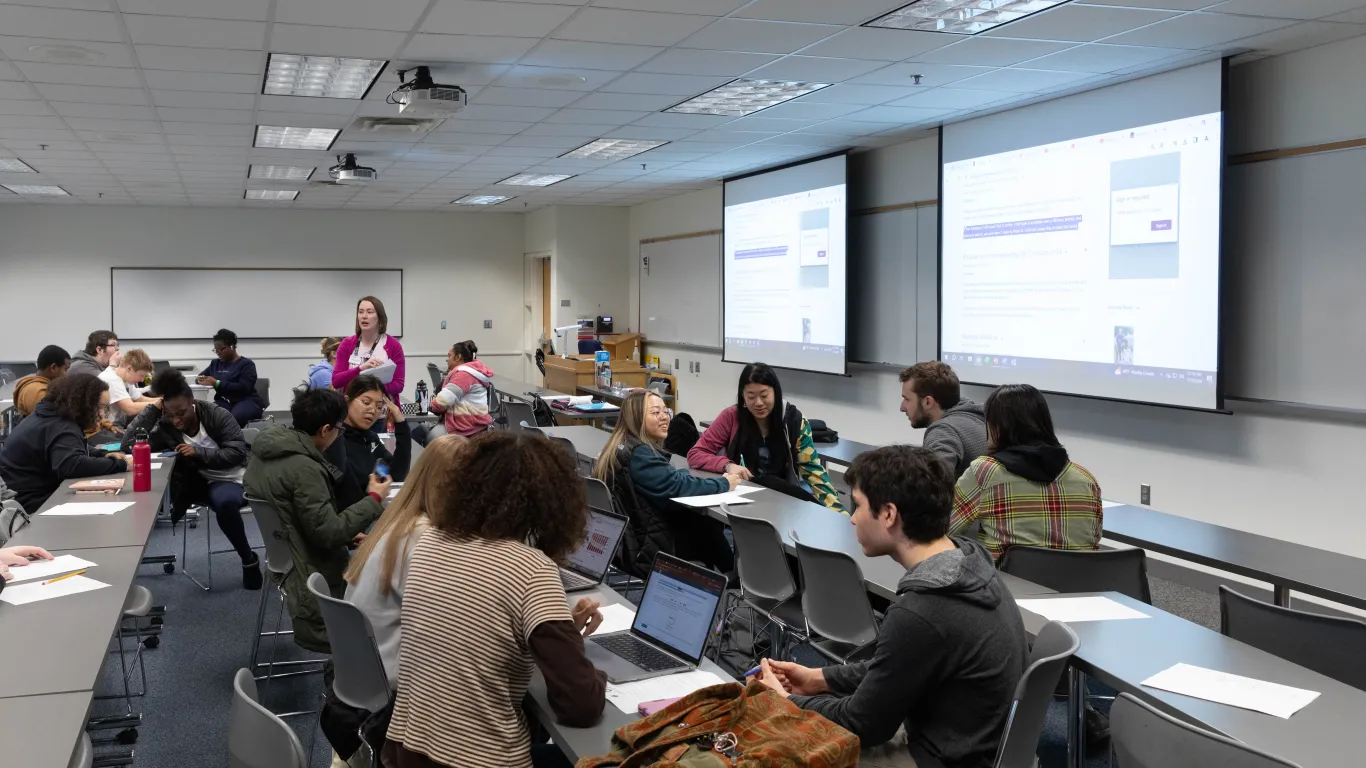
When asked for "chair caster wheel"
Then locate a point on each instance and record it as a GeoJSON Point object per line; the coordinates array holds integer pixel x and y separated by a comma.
{"type": "Point", "coordinates": [157, 621]}
{"type": "Point", "coordinates": [194, 525]}
{"type": "Point", "coordinates": [168, 568]}
{"type": "Point", "coordinates": [151, 642]}
{"type": "Point", "coordinates": [128, 736]}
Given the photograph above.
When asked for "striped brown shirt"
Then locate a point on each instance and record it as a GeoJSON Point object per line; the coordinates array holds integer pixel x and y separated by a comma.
{"type": "Point", "coordinates": [469, 608]}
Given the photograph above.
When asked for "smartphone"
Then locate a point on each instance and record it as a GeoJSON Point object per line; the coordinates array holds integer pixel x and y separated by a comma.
{"type": "Point", "coordinates": [381, 469]}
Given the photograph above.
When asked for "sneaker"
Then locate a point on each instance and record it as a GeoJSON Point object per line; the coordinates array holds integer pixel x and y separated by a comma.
{"type": "Point", "coordinates": [251, 573]}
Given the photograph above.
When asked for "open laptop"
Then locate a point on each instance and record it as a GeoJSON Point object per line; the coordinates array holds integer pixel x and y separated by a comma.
{"type": "Point", "coordinates": [671, 625]}
{"type": "Point", "coordinates": [587, 567]}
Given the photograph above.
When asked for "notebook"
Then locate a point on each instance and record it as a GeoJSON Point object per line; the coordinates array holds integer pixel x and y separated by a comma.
{"type": "Point", "coordinates": [101, 485]}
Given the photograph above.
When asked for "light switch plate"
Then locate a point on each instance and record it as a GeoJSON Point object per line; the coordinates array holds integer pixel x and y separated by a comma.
{"type": "Point", "coordinates": [488, 323]}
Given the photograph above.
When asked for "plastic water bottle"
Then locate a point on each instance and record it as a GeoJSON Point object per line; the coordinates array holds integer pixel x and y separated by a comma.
{"type": "Point", "coordinates": [142, 463]}
{"type": "Point", "coordinates": [421, 397]}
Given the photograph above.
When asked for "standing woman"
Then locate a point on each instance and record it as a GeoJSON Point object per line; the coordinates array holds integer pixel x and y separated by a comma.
{"type": "Point", "coordinates": [764, 439]}
{"type": "Point", "coordinates": [371, 351]}
{"type": "Point", "coordinates": [233, 379]}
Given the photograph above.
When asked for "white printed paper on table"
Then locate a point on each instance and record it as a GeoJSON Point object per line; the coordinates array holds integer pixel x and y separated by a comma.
{"type": "Point", "coordinates": [1108, 504]}
{"type": "Point", "coordinates": [628, 696]}
{"type": "Point", "coordinates": [615, 618]}
{"type": "Point", "coordinates": [1234, 690]}
{"type": "Point", "coordinates": [1076, 609]}
{"type": "Point", "coordinates": [34, 591]}
{"type": "Point", "coordinates": [41, 569]}
{"type": "Point", "coordinates": [714, 499]}
{"type": "Point", "coordinates": [89, 508]}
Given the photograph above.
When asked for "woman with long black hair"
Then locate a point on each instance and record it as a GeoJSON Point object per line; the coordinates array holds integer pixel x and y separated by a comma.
{"type": "Point", "coordinates": [768, 440]}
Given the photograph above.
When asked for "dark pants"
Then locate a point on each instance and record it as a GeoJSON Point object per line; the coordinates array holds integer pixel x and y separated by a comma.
{"type": "Point", "coordinates": [246, 412]}
{"type": "Point", "coordinates": [189, 488]}
{"type": "Point", "coordinates": [703, 540]}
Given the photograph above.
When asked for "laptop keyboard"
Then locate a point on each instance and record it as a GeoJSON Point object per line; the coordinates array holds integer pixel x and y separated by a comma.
{"type": "Point", "coordinates": [573, 580]}
{"type": "Point", "coordinates": [633, 650]}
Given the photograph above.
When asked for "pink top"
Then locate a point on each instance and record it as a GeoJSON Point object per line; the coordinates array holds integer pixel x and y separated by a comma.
{"type": "Point", "coordinates": [710, 452]}
{"type": "Point", "coordinates": [342, 373]}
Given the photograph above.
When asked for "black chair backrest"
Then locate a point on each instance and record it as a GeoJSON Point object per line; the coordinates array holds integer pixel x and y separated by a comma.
{"type": "Point", "coordinates": [760, 559]}
{"type": "Point", "coordinates": [1328, 645]}
{"type": "Point", "coordinates": [1143, 737]}
{"type": "Point", "coordinates": [263, 391]}
{"type": "Point", "coordinates": [435, 374]}
{"type": "Point", "coordinates": [1106, 570]}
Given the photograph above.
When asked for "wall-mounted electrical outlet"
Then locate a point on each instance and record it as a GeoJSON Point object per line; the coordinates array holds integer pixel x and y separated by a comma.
{"type": "Point", "coordinates": [564, 302]}
{"type": "Point", "coordinates": [690, 366]}
{"type": "Point", "coordinates": [488, 323]}
{"type": "Point", "coordinates": [443, 325]}
{"type": "Point", "coordinates": [1145, 494]}
{"type": "Point", "coordinates": [677, 367]}
{"type": "Point", "coordinates": [699, 367]}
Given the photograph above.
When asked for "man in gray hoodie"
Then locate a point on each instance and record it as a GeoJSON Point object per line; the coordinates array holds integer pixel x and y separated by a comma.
{"type": "Point", "coordinates": [100, 349]}
{"type": "Point", "coordinates": [955, 427]}
{"type": "Point", "coordinates": [938, 689]}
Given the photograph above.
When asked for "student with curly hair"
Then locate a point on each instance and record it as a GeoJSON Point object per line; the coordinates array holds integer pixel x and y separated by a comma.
{"type": "Point", "coordinates": [48, 447]}
{"type": "Point", "coordinates": [483, 606]}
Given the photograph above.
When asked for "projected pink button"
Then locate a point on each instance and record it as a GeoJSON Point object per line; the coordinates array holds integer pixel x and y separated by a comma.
{"type": "Point", "coordinates": [1164, 225]}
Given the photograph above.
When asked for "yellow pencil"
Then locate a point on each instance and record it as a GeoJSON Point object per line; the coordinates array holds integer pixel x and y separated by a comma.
{"type": "Point", "coordinates": [63, 576]}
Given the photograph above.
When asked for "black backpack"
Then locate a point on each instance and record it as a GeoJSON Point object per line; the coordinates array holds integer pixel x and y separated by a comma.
{"type": "Point", "coordinates": [496, 409]}
{"type": "Point", "coordinates": [545, 417]}
{"type": "Point", "coordinates": [682, 435]}
{"type": "Point", "coordinates": [820, 433]}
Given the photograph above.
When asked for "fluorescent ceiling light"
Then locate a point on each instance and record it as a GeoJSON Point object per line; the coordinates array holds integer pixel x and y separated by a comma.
{"type": "Point", "coordinates": [745, 97]}
{"type": "Point", "coordinates": [287, 172]}
{"type": "Point", "coordinates": [35, 189]}
{"type": "Point", "coordinates": [612, 149]}
{"type": "Point", "coordinates": [291, 74]}
{"type": "Point", "coordinates": [271, 194]}
{"type": "Point", "coordinates": [536, 179]}
{"type": "Point", "coordinates": [283, 137]}
{"type": "Point", "coordinates": [481, 199]}
{"type": "Point", "coordinates": [960, 17]}
{"type": "Point", "coordinates": [15, 165]}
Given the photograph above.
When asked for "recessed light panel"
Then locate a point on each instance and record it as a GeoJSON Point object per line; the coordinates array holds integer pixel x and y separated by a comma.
{"type": "Point", "coordinates": [35, 189]}
{"type": "Point", "coordinates": [271, 194]}
{"type": "Point", "coordinates": [285, 137]}
{"type": "Point", "coordinates": [612, 149]}
{"type": "Point", "coordinates": [745, 97]}
{"type": "Point", "coordinates": [482, 199]}
{"type": "Point", "coordinates": [536, 179]}
{"type": "Point", "coordinates": [329, 77]}
{"type": "Point", "coordinates": [286, 172]}
{"type": "Point", "coordinates": [960, 17]}
{"type": "Point", "coordinates": [15, 165]}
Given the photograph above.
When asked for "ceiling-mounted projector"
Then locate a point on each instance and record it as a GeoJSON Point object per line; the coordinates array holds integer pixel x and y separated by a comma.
{"type": "Point", "coordinates": [421, 97]}
{"type": "Point", "coordinates": [347, 171]}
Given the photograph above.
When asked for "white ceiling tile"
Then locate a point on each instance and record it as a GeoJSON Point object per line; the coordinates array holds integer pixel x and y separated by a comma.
{"type": "Point", "coordinates": [206, 99]}
{"type": "Point", "coordinates": [758, 36]}
{"type": "Point", "coordinates": [310, 104]}
{"type": "Point", "coordinates": [691, 61]}
{"type": "Point", "coordinates": [572, 54]}
{"type": "Point", "coordinates": [847, 12]}
{"type": "Point", "coordinates": [205, 115]}
{"type": "Point", "coordinates": [604, 25]}
{"type": "Point", "coordinates": [467, 48]}
{"type": "Point", "coordinates": [932, 75]}
{"type": "Point", "coordinates": [92, 94]}
{"type": "Point", "coordinates": [191, 140]}
{"type": "Point", "coordinates": [654, 134]}
{"type": "Point", "coordinates": [526, 97]}
{"type": "Point", "coordinates": [867, 95]}
{"type": "Point", "coordinates": [679, 120]}
{"type": "Point", "coordinates": [577, 114]}
{"type": "Point", "coordinates": [845, 127]}
{"type": "Point", "coordinates": [764, 123]}
{"type": "Point", "coordinates": [992, 52]}
{"type": "Point", "coordinates": [398, 15]}
{"type": "Point", "coordinates": [106, 124]}
{"type": "Point", "coordinates": [814, 69]}
{"type": "Point", "coordinates": [953, 98]}
{"type": "Point", "coordinates": [1353, 17]}
{"type": "Point", "coordinates": [32, 121]}
{"type": "Point", "coordinates": [1080, 23]}
{"type": "Point", "coordinates": [557, 78]}
{"type": "Point", "coordinates": [700, 7]}
{"type": "Point", "coordinates": [1299, 36]}
{"type": "Point", "coordinates": [810, 110]}
{"type": "Point", "coordinates": [243, 10]}
{"type": "Point", "coordinates": [500, 127]}
{"type": "Point", "coordinates": [568, 129]}
{"type": "Point", "coordinates": [499, 112]}
{"type": "Point", "coordinates": [16, 90]}
{"type": "Point", "coordinates": [1100, 58]}
{"type": "Point", "coordinates": [80, 75]}
{"type": "Point", "coordinates": [60, 23]}
{"type": "Point", "coordinates": [195, 33]}
{"type": "Point", "coordinates": [1298, 9]}
{"type": "Point", "coordinates": [120, 149]}
{"type": "Point", "coordinates": [39, 49]}
{"type": "Point", "coordinates": [651, 84]}
{"type": "Point", "coordinates": [117, 111]}
{"type": "Point", "coordinates": [335, 41]}
{"type": "Point", "coordinates": [898, 115]}
{"type": "Point", "coordinates": [120, 137]}
{"type": "Point", "coordinates": [34, 107]}
{"type": "Point", "coordinates": [1021, 80]}
{"type": "Point", "coordinates": [202, 81]}
{"type": "Point", "coordinates": [302, 119]}
{"type": "Point", "coordinates": [485, 17]}
{"type": "Point", "coordinates": [202, 60]}
{"type": "Point", "coordinates": [879, 44]}
{"type": "Point", "coordinates": [1198, 30]}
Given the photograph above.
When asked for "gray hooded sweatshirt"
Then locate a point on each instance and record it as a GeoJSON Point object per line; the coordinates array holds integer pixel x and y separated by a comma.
{"type": "Point", "coordinates": [949, 654]}
{"type": "Point", "coordinates": [960, 437]}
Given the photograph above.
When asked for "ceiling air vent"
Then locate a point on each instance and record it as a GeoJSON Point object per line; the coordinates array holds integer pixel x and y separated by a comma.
{"type": "Point", "coordinates": [393, 126]}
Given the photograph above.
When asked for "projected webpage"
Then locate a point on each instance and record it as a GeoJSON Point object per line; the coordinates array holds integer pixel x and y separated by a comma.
{"type": "Point", "coordinates": [1089, 265]}
{"type": "Point", "coordinates": [785, 280]}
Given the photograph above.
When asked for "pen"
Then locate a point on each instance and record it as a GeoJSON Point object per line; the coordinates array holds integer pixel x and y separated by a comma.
{"type": "Point", "coordinates": [63, 576]}
{"type": "Point", "coordinates": [753, 672]}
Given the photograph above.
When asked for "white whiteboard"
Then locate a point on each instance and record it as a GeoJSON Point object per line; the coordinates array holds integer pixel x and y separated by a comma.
{"type": "Point", "coordinates": [680, 291]}
{"type": "Point", "coordinates": [893, 286]}
{"type": "Point", "coordinates": [153, 303]}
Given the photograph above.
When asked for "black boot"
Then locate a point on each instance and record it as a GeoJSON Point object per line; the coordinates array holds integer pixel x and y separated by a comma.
{"type": "Point", "coordinates": [251, 573]}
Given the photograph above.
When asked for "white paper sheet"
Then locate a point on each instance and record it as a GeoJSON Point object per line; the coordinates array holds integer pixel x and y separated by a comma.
{"type": "Point", "coordinates": [615, 618]}
{"type": "Point", "coordinates": [743, 489]}
{"type": "Point", "coordinates": [628, 696]}
{"type": "Point", "coordinates": [34, 591]}
{"type": "Point", "coordinates": [89, 508]}
{"type": "Point", "coordinates": [714, 499]}
{"type": "Point", "coordinates": [384, 371]}
{"type": "Point", "coordinates": [1108, 504]}
{"type": "Point", "coordinates": [1233, 690]}
{"type": "Point", "coordinates": [1074, 609]}
{"type": "Point", "coordinates": [156, 465]}
{"type": "Point", "coordinates": [41, 569]}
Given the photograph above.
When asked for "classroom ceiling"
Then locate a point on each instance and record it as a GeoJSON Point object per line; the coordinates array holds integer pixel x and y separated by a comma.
{"type": "Point", "coordinates": [156, 102]}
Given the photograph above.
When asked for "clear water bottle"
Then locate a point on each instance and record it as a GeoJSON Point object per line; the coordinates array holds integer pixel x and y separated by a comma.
{"type": "Point", "coordinates": [421, 397]}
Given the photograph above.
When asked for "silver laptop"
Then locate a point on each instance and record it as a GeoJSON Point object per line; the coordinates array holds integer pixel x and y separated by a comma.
{"type": "Point", "coordinates": [671, 625]}
{"type": "Point", "coordinates": [587, 567]}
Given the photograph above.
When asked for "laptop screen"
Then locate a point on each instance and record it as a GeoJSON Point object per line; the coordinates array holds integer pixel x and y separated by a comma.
{"type": "Point", "coordinates": [604, 531]}
{"type": "Point", "coordinates": [679, 605]}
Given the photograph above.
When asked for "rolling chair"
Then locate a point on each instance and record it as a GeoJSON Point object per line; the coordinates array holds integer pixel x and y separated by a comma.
{"type": "Point", "coordinates": [767, 587]}
{"type": "Point", "coordinates": [434, 373]}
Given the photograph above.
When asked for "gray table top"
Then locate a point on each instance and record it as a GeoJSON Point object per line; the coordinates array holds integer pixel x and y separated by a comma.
{"type": "Point", "coordinates": [60, 645]}
{"type": "Point", "coordinates": [597, 740]}
{"type": "Point", "coordinates": [41, 731]}
{"type": "Point", "coordinates": [1124, 653]}
{"type": "Point", "coordinates": [1330, 575]}
{"type": "Point", "coordinates": [843, 451]}
{"type": "Point", "coordinates": [519, 389]}
{"type": "Point", "coordinates": [614, 397]}
{"type": "Point", "coordinates": [127, 528]}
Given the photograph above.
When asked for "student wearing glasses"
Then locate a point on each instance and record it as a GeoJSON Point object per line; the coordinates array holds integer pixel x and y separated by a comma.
{"type": "Point", "coordinates": [100, 349]}
{"type": "Point", "coordinates": [233, 379]}
{"type": "Point", "coordinates": [359, 449]}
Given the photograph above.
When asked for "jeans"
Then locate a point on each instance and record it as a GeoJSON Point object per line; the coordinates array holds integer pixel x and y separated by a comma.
{"type": "Point", "coordinates": [189, 488]}
{"type": "Point", "coordinates": [246, 412]}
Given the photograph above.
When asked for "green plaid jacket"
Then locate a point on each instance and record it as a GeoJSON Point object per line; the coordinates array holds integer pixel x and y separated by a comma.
{"type": "Point", "coordinates": [1063, 514]}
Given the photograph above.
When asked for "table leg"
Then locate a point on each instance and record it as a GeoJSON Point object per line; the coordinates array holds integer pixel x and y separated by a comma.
{"type": "Point", "coordinates": [1076, 718]}
{"type": "Point", "coordinates": [1281, 596]}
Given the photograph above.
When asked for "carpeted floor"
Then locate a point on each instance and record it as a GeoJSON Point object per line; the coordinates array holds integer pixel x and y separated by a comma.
{"type": "Point", "coordinates": [207, 638]}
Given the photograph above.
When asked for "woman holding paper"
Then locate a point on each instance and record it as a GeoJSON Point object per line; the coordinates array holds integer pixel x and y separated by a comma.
{"type": "Point", "coordinates": [371, 351]}
{"type": "Point", "coordinates": [636, 467]}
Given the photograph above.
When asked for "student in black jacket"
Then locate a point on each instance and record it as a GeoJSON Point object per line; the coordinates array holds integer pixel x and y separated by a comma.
{"type": "Point", "coordinates": [952, 647]}
{"type": "Point", "coordinates": [359, 448]}
{"type": "Point", "coordinates": [213, 458]}
{"type": "Point", "coordinates": [49, 446]}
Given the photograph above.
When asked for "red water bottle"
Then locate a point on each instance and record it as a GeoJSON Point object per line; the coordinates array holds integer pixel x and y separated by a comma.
{"type": "Point", "coordinates": [142, 463]}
